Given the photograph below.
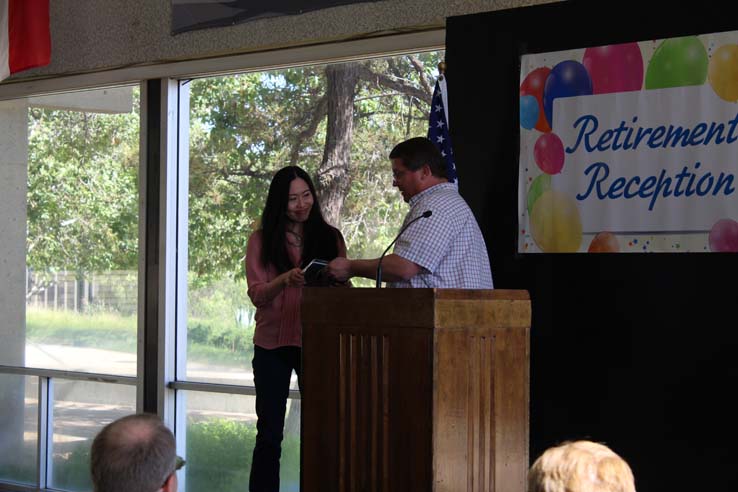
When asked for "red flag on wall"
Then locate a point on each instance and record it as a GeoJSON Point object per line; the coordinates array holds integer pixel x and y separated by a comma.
{"type": "Point", "coordinates": [25, 41]}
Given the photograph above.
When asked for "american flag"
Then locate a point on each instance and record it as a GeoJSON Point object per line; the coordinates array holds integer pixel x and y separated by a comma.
{"type": "Point", "coordinates": [438, 127]}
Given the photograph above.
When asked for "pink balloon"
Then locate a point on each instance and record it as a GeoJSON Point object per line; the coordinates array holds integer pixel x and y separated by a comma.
{"type": "Point", "coordinates": [549, 153]}
{"type": "Point", "coordinates": [614, 68]}
{"type": "Point", "coordinates": [724, 236]}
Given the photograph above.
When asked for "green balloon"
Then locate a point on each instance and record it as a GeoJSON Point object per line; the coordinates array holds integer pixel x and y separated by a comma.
{"type": "Point", "coordinates": [537, 187]}
{"type": "Point", "coordinates": [678, 62]}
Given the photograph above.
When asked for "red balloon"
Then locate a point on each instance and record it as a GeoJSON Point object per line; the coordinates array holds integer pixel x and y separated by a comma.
{"type": "Point", "coordinates": [533, 86]}
{"type": "Point", "coordinates": [548, 153]}
{"type": "Point", "coordinates": [604, 242]}
{"type": "Point", "coordinates": [614, 68]}
{"type": "Point", "coordinates": [723, 236]}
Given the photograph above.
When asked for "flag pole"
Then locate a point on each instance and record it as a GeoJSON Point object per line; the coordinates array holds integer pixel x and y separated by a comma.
{"type": "Point", "coordinates": [441, 69]}
{"type": "Point", "coordinates": [444, 89]}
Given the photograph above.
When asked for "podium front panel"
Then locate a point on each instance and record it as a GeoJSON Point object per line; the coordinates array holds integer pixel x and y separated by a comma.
{"type": "Point", "coordinates": [414, 389]}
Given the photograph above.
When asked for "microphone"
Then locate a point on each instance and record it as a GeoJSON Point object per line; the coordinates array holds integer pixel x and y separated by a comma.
{"type": "Point", "coordinates": [424, 215]}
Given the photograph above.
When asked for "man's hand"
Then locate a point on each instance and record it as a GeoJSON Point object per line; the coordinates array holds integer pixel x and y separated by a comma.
{"type": "Point", "coordinates": [339, 269]}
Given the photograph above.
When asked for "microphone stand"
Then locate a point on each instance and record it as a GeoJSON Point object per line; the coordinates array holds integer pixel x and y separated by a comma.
{"type": "Point", "coordinates": [424, 215]}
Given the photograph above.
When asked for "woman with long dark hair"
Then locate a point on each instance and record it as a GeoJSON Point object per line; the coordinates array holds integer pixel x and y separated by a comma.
{"type": "Point", "coordinates": [292, 233]}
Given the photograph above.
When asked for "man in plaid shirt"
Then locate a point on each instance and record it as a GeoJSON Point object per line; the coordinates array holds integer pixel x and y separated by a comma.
{"type": "Point", "coordinates": [442, 250]}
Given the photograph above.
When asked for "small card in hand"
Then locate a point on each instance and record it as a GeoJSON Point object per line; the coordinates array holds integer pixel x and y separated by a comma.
{"type": "Point", "coordinates": [315, 274]}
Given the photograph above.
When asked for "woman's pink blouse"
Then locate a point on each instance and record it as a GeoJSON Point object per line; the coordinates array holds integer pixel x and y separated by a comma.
{"type": "Point", "coordinates": [277, 318]}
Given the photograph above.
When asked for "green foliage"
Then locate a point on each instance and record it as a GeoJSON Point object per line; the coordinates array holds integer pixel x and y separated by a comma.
{"type": "Point", "coordinates": [72, 469]}
{"type": "Point", "coordinates": [234, 340]}
{"type": "Point", "coordinates": [219, 453]}
{"type": "Point", "coordinates": [209, 340]}
{"type": "Point", "coordinates": [19, 466]}
{"type": "Point", "coordinates": [83, 190]}
{"type": "Point", "coordinates": [99, 330]}
{"type": "Point", "coordinates": [245, 127]}
{"type": "Point", "coordinates": [221, 318]}
{"type": "Point", "coordinates": [83, 167]}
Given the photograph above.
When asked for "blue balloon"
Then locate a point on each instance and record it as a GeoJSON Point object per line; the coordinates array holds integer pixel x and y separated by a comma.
{"type": "Point", "coordinates": [567, 79]}
{"type": "Point", "coordinates": [528, 111]}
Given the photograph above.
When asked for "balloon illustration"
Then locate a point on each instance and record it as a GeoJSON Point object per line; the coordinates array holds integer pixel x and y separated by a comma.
{"type": "Point", "coordinates": [555, 224]}
{"type": "Point", "coordinates": [677, 62]}
{"type": "Point", "coordinates": [528, 112]}
{"type": "Point", "coordinates": [723, 72]}
{"type": "Point", "coordinates": [614, 68]}
{"type": "Point", "coordinates": [723, 236]}
{"type": "Point", "coordinates": [549, 153]}
{"type": "Point", "coordinates": [604, 242]}
{"type": "Point", "coordinates": [533, 86]}
{"type": "Point", "coordinates": [537, 187]}
{"type": "Point", "coordinates": [567, 79]}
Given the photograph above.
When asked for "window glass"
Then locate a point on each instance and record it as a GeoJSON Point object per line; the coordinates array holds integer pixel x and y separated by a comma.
{"type": "Point", "coordinates": [78, 289]}
{"type": "Point", "coordinates": [338, 122]}
{"type": "Point", "coordinates": [81, 409]}
{"type": "Point", "coordinates": [220, 437]}
{"type": "Point", "coordinates": [19, 429]}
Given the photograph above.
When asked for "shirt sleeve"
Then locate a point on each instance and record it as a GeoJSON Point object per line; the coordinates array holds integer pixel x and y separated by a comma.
{"type": "Point", "coordinates": [427, 241]}
{"type": "Point", "coordinates": [257, 276]}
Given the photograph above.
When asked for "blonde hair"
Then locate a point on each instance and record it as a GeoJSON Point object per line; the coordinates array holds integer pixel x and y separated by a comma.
{"type": "Point", "coordinates": [580, 466]}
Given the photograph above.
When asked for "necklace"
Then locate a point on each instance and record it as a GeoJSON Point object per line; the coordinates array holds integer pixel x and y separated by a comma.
{"type": "Point", "coordinates": [296, 239]}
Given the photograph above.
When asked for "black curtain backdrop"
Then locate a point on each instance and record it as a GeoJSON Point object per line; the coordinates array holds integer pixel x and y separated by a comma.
{"type": "Point", "coordinates": [634, 350]}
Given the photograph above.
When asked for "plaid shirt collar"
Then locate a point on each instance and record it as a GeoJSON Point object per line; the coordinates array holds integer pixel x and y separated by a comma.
{"type": "Point", "coordinates": [429, 191]}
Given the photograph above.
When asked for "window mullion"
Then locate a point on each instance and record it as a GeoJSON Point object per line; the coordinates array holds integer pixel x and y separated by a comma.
{"type": "Point", "coordinates": [45, 436]}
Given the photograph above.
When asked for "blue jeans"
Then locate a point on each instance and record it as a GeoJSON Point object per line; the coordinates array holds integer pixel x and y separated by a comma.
{"type": "Point", "coordinates": [272, 372]}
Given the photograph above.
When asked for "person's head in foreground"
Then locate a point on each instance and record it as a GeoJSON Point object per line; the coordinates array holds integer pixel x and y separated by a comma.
{"type": "Point", "coordinates": [580, 466]}
{"type": "Point", "coordinates": [135, 453]}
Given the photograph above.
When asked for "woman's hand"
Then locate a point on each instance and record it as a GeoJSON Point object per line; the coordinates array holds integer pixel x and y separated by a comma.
{"type": "Point", "coordinates": [294, 278]}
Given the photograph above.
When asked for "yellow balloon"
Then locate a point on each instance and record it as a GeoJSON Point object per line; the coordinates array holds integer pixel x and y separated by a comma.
{"type": "Point", "coordinates": [723, 72]}
{"type": "Point", "coordinates": [555, 224]}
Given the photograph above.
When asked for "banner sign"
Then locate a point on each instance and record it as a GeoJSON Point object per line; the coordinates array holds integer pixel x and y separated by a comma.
{"type": "Point", "coordinates": [188, 15]}
{"type": "Point", "coordinates": [630, 147]}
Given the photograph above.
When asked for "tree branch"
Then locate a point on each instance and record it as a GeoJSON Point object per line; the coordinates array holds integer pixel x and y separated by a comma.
{"type": "Point", "coordinates": [379, 96]}
{"type": "Point", "coordinates": [366, 74]}
{"type": "Point", "coordinates": [241, 171]}
{"type": "Point", "coordinates": [418, 65]}
{"type": "Point", "coordinates": [372, 113]}
{"type": "Point", "coordinates": [319, 112]}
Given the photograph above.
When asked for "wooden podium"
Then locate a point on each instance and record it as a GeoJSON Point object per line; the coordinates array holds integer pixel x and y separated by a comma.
{"type": "Point", "coordinates": [415, 390]}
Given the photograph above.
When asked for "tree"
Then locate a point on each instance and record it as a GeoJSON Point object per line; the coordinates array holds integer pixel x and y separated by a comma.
{"type": "Point", "coordinates": [82, 191]}
{"type": "Point", "coordinates": [337, 121]}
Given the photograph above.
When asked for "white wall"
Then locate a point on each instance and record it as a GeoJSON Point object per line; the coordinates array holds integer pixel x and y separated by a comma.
{"type": "Point", "coordinates": [13, 178]}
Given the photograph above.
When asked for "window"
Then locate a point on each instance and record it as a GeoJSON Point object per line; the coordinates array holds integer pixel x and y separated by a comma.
{"type": "Point", "coordinates": [71, 358]}
{"type": "Point", "coordinates": [339, 123]}
{"type": "Point", "coordinates": [69, 202]}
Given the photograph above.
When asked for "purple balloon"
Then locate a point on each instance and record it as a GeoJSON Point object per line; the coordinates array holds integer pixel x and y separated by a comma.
{"type": "Point", "coordinates": [614, 68]}
{"type": "Point", "coordinates": [567, 79]}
